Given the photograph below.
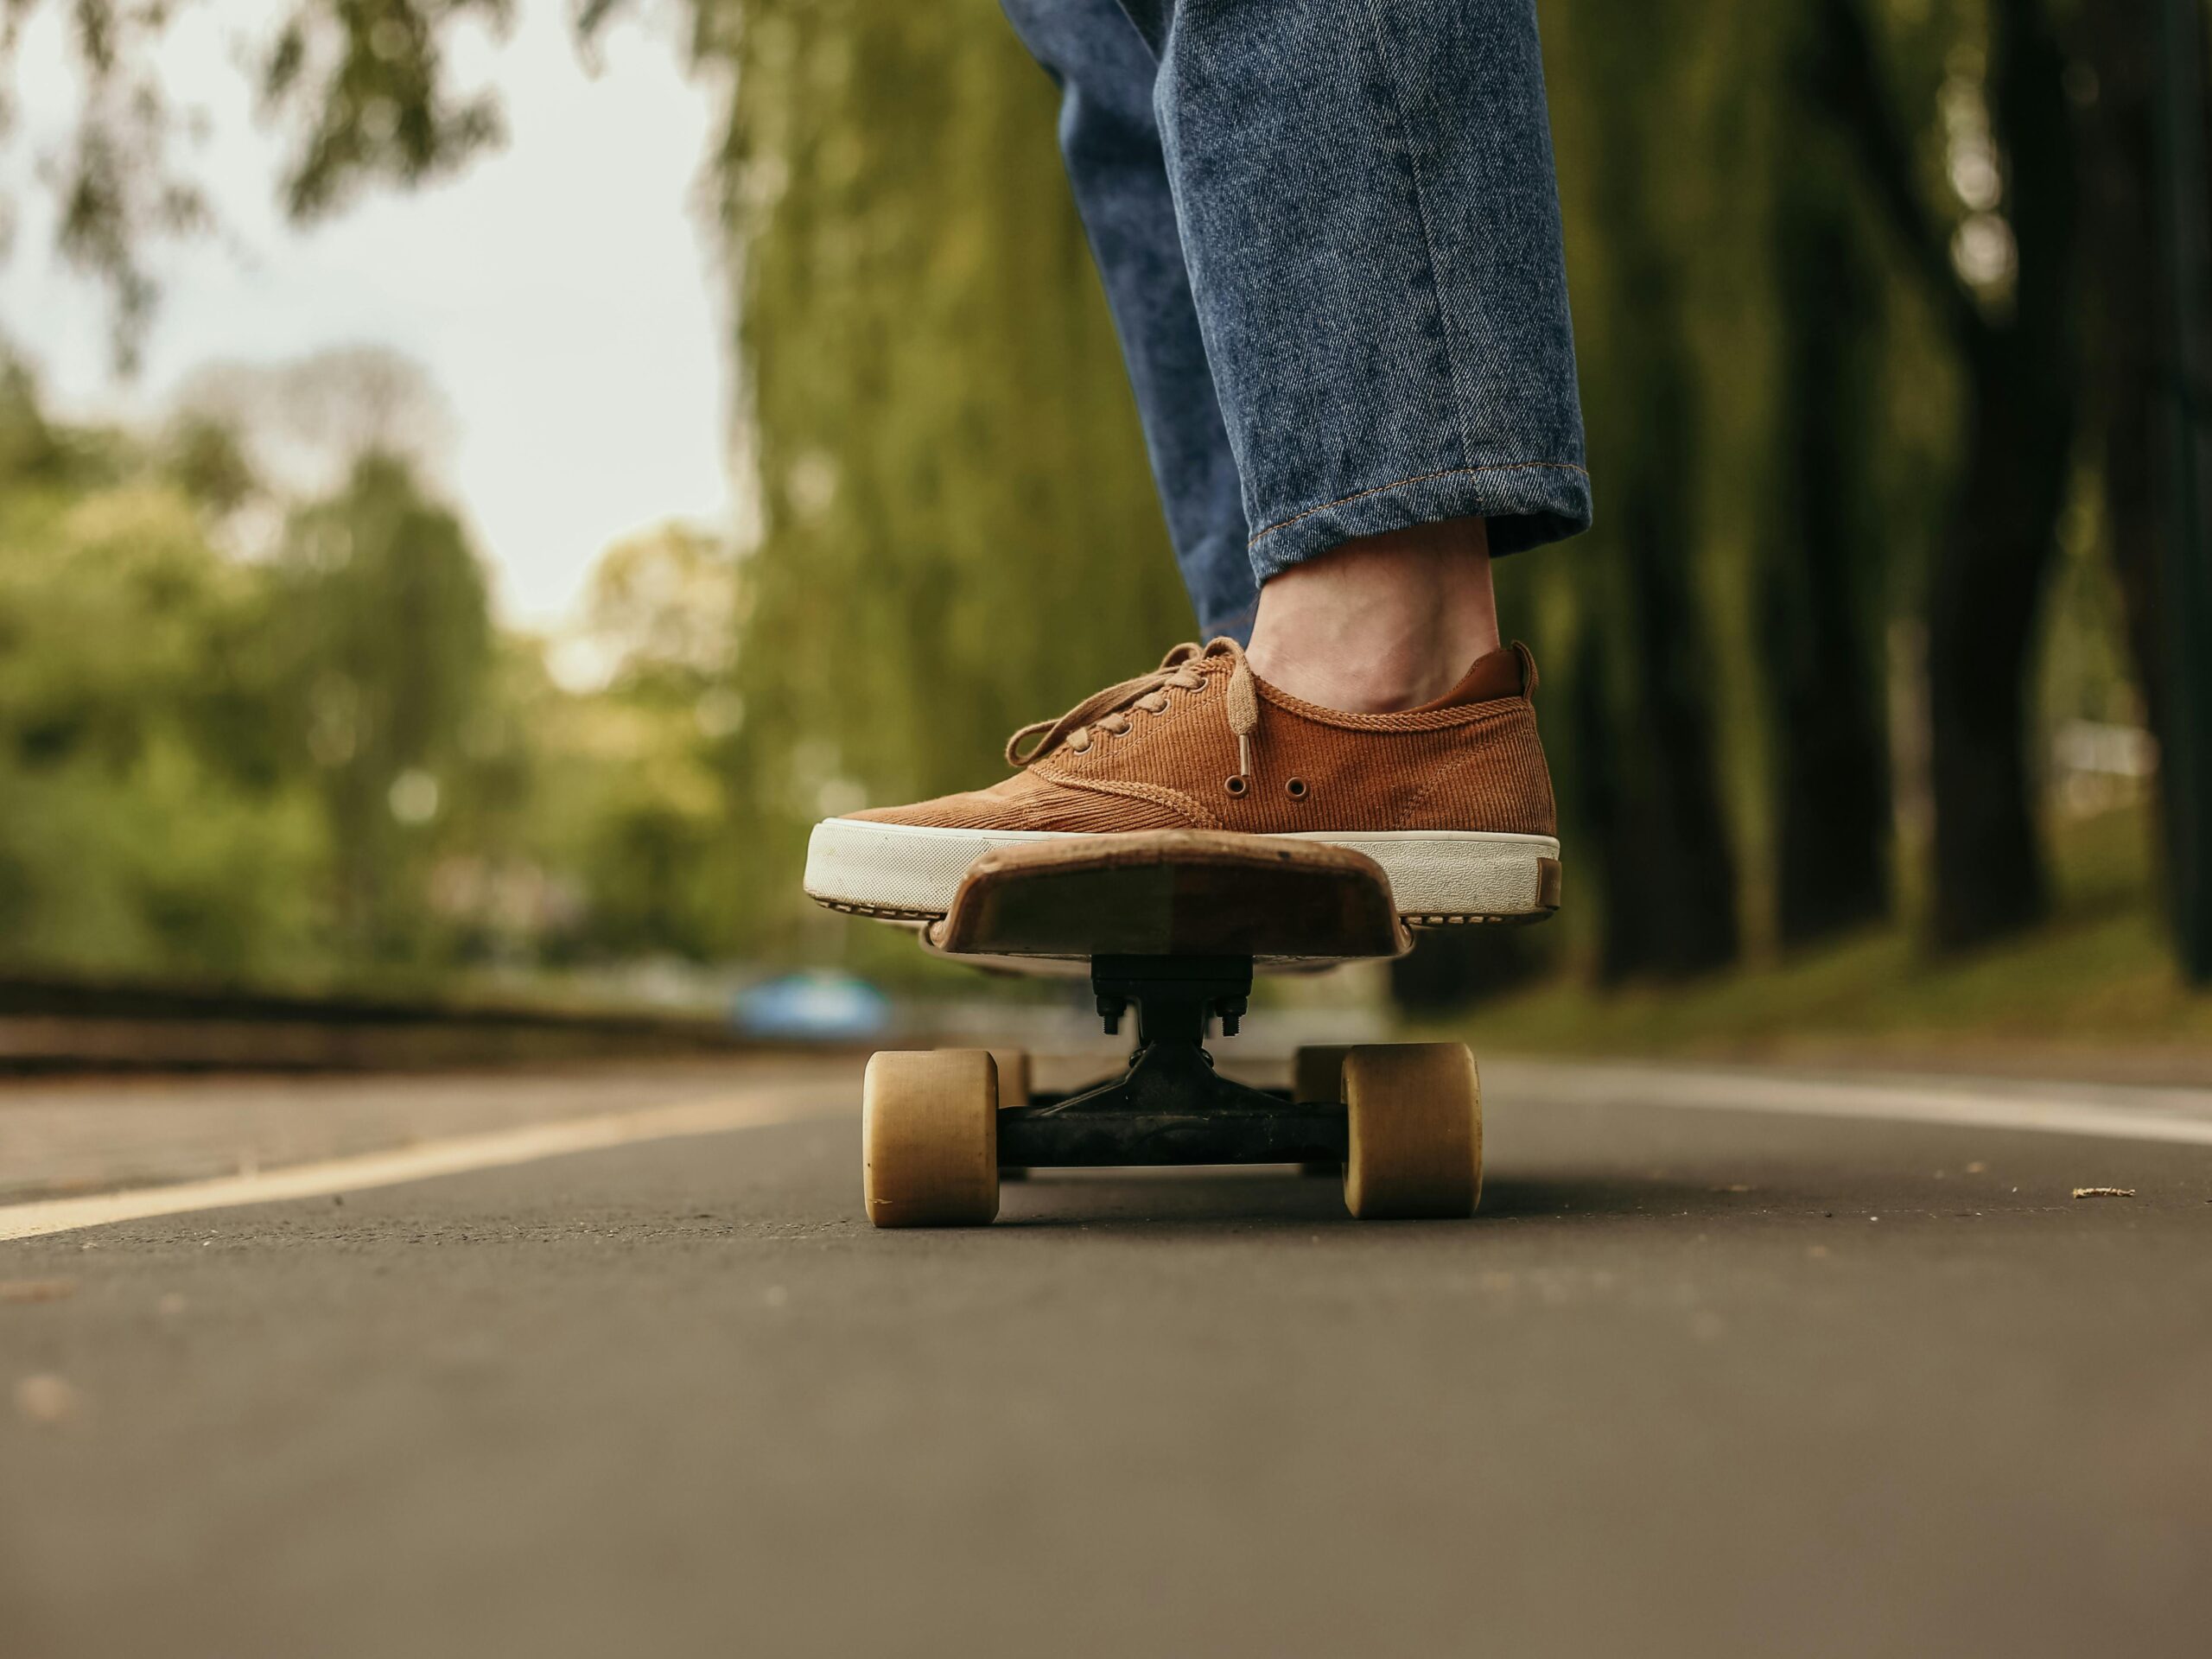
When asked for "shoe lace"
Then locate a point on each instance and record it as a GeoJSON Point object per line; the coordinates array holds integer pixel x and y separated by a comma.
{"type": "Point", "coordinates": [1108, 710]}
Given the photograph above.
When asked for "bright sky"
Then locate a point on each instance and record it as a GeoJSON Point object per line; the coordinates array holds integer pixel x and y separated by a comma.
{"type": "Point", "coordinates": [562, 292]}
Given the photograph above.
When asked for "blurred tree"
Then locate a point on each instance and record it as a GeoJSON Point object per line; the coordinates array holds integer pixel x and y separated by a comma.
{"type": "Point", "coordinates": [2130, 350]}
{"type": "Point", "coordinates": [381, 608]}
{"type": "Point", "coordinates": [303, 423]}
{"type": "Point", "coordinates": [2118, 39]}
{"type": "Point", "coordinates": [2002, 275]}
{"type": "Point", "coordinates": [651, 849]}
{"type": "Point", "coordinates": [322, 763]}
{"type": "Point", "coordinates": [1645, 774]}
{"type": "Point", "coordinates": [651, 837]}
{"type": "Point", "coordinates": [28, 451]}
{"type": "Point", "coordinates": [661, 609]}
{"type": "Point", "coordinates": [360, 89]}
{"type": "Point", "coordinates": [141, 827]}
{"type": "Point", "coordinates": [207, 461]}
{"type": "Point", "coordinates": [1820, 599]}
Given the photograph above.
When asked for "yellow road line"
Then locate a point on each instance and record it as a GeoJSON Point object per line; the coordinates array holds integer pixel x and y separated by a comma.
{"type": "Point", "coordinates": [753, 1108]}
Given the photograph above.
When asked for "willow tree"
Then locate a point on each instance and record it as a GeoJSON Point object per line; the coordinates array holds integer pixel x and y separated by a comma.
{"type": "Point", "coordinates": [958, 532]}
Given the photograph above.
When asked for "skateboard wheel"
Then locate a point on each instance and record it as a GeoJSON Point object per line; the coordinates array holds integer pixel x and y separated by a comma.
{"type": "Point", "coordinates": [1415, 1115]}
{"type": "Point", "coordinates": [1317, 1073]}
{"type": "Point", "coordinates": [928, 1138]}
{"type": "Point", "coordinates": [1014, 1075]}
{"type": "Point", "coordinates": [1014, 1091]}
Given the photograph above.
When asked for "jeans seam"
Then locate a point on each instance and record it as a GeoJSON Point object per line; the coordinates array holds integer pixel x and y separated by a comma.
{"type": "Point", "coordinates": [1417, 478]}
{"type": "Point", "coordinates": [1460, 398]}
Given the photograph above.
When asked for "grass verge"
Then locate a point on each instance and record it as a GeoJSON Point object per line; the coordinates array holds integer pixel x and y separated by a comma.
{"type": "Point", "coordinates": [2094, 992]}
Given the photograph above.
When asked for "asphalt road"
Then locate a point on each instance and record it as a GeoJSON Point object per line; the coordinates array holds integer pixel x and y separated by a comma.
{"type": "Point", "coordinates": [1694, 1381]}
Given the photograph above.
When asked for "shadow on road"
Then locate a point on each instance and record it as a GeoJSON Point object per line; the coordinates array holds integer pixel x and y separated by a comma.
{"type": "Point", "coordinates": [1268, 1197]}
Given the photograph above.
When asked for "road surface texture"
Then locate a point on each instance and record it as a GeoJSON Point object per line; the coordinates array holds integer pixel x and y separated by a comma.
{"type": "Point", "coordinates": [1838, 1370]}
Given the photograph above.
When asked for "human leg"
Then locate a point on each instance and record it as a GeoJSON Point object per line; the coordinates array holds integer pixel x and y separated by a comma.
{"type": "Point", "coordinates": [1382, 622]}
{"type": "Point", "coordinates": [1365, 196]}
{"type": "Point", "coordinates": [1364, 207]}
{"type": "Point", "coordinates": [1370, 218]}
{"type": "Point", "coordinates": [1110, 140]}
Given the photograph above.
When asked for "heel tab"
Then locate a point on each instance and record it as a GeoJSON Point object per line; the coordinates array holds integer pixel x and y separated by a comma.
{"type": "Point", "coordinates": [1529, 678]}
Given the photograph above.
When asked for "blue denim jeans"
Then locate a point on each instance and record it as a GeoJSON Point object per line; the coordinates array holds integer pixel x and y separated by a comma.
{"type": "Point", "coordinates": [1330, 235]}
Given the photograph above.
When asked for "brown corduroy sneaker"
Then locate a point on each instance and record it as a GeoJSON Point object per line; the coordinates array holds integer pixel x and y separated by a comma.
{"type": "Point", "coordinates": [1452, 800]}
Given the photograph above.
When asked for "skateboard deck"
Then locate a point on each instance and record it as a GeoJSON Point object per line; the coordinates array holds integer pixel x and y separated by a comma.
{"type": "Point", "coordinates": [1172, 925]}
{"type": "Point", "coordinates": [1172, 892]}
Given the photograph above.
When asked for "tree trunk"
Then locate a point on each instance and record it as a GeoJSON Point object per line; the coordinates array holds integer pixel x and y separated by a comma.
{"type": "Point", "coordinates": [1820, 579]}
{"type": "Point", "coordinates": [1607, 834]}
{"type": "Point", "coordinates": [2117, 38]}
{"type": "Point", "coordinates": [2022, 384]}
{"type": "Point", "coordinates": [2129, 340]}
{"type": "Point", "coordinates": [1686, 884]}
{"type": "Point", "coordinates": [1646, 784]}
{"type": "Point", "coordinates": [2020, 358]}
{"type": "Point", "coordinates": [1981, 615]}
{"type": "Point", "coordinates": [1644, 781]}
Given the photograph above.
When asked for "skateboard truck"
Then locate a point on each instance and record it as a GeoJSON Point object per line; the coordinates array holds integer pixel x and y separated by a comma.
{"type": "Point", "coordinates": [1170, 992]}
{"type": "Point", "coordinates": [1171, 924]}
{"type": "Point", "coordinates": [1171, 1106]}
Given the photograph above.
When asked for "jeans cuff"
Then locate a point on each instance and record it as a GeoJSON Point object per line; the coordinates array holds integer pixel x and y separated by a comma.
{"type": "Point", "coordinates": [1527, 503]}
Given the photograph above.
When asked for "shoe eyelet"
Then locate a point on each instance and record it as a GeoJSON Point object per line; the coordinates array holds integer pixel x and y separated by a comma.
{"type": "Point", "coordinates": [1295, 789]}
{"type": "Point", "coordinates": [1237, 786]}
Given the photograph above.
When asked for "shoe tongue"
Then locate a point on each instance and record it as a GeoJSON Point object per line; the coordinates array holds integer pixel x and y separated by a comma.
{"type": "Point", "coordinates": [1495, 674]}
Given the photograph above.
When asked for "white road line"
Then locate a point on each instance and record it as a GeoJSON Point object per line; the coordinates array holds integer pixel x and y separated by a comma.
{"type": "Point", "coordinates": [781, 1103]}
{"type": "Point", "coordinates": [2173, 1115]}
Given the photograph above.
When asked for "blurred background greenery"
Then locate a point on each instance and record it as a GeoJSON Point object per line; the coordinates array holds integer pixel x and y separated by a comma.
{"type": "Point", "coordinates": [1854, 694]}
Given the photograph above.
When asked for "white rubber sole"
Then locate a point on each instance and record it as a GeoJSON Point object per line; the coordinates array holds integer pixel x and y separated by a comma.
{"type": "Point", "coordinates": [908, 872]}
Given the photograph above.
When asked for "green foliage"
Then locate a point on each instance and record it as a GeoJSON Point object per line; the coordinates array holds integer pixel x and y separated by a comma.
{"type": "Point", "coordinates": [635, 798]}
{"type": "Point", "coordinates": [383, 624]}
{"type": "Point", "coordinates": [361, 89]}
{"type": "Point", "coordinates": [364, 84]}
{"type": "Point", "coordinates": [137, 831]}
{"type": "Point", "coordinates": [206, 460]}
{"type": "Point", "coordinates": [2099, 981]}
{"type": "Point", "coordinates": [324, 763]}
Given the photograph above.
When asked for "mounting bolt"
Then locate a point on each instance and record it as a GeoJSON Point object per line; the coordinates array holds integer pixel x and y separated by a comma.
{"type": "Point", "coordinates": [1111, 1009]}
{"type": "Point", "coordinates": [1232, 1010]}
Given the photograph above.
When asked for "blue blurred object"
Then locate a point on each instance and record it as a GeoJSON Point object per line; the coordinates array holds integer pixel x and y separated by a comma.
{"type": "Point", "coordinates": [819, 1006]}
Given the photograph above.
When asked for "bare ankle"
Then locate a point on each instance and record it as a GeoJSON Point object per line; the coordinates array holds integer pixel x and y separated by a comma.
{"type": "Point", "coordinates": [1382, 623]}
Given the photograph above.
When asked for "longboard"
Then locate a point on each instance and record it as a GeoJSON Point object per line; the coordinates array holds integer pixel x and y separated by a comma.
{"type": "Point", "coordinates": [1171, 926]}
